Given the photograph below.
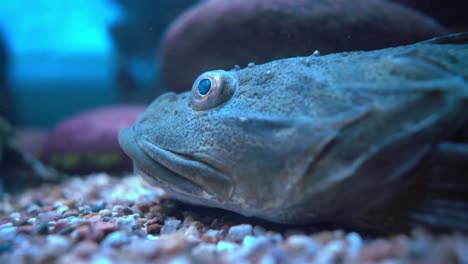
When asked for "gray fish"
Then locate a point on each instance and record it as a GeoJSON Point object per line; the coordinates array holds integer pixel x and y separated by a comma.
{"type": "Point", "coordinates": [372, 139]}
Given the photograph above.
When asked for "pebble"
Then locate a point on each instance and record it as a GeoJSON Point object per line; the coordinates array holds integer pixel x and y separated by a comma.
{"type": "Point", "coordinates": [116, 239]}
{"type": "Point", "coordinates": [16, 216]}
{"type": "Point", "coordinates": [119, 210]}
{"type": "Point", "coordinates": [130, 222]}
{"type": "Point", "coordinates": [331, 252]}
{"type": "Point", "coordinates": [62, 209]}
{"type": "Point", "coordinates": [85, 210]}
{"type": "Point", "coordinates": [212, 236]}
{"type": "Point", "coordinates": [58, 243]}
{"type": "Point", "coordinates": [98, 206]}
{"type": "Point", "coordinates": [238, 232]}
{"type": "Point", "coordinates": [46, 216]}
{"type": "Point", "coordinates": [170, 226]}
{"type": "Point", "coordinates": [42, 229]}
{"type": "Point", "coordinates": [7, 232]}
{"type": "Point", "coordinates": [33, 209]}
{"type": "Point", "coordinates": [105, 212]}
{"type": "Point", "coordinates": [86, 249]}
{"type": "Point", "coordinates": [204, 250]}
{"type": "Point", "coordinates": [192, 234]}
{"type": "Point", "coordinates": [258, 231]}
{"type": "Point", "coordinates": [101, 236]}
{"type": "Point", "coordinates": [154, 229]}
{"type": "Point", "coordinates": [74, 220]}
{"type": "Point", "coordinates": [302, 243]}
{"type": "Point", "coordinates": [354, 244]}
{"type": "Point", "coordinates": [224, 245]}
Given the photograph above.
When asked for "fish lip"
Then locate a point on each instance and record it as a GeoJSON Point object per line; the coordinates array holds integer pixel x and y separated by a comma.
{"type": "Point", "coordinates": [214, 183]}
{"type": "Point", "coordinates": [184, 182]}
{"type": "Point", "coordinates": [162, 176]}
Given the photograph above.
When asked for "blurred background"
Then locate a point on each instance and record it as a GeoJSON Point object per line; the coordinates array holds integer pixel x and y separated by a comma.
{"type": "Point", "coordinates": [58, 58]}
{"type": "Point", "coordinates": [73, 73]}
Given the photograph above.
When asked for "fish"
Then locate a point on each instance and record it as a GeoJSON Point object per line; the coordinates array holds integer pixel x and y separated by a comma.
{"type": "Point", "coordinates": [369, 139]}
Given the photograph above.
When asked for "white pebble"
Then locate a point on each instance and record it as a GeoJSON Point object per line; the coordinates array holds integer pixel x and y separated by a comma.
{"type": "Point", "coordinates": [238, 232]}
{"type": "Point", "coordinates": [192, 234]}
{"type": "Point", "coordinates": [330, 252]}
{"type": "Point", "coordinates": [248, 241]}
{"type": "Point", "coordinates": [267, 259]}
{"type": "Point", "coordinates": [16, 216]}
{"type": "Point", "coordinates": [7, 232]}
{"type": "Point", "coordinates": [180, 260]}
{"type": "Point", "coordinates": [170, 226]}
{"type": "Point", "coordinates": [62, 209]}
{"type": "Point", "coordinates": [355, 244]}
{"type": "Point", "coordinates": [204, 249]}
{"type": "Point", "coordinates": [224, 245]}
{"type": "Point", "coordinates": [105, 212]}
{"type": "Point", "coordinates": [58, 243]}
{"type": "Point", "coordinates": [302, 243]}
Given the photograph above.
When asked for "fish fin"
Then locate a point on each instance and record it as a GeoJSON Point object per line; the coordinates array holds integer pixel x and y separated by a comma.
{"type": "Point", "coordinates": [457, 38]}
{"type": "Point", "coordinates": [435, 199]}
{"type": "Point", "coordinates": [444, 203]}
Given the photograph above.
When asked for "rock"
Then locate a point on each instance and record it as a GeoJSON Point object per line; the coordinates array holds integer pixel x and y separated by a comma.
{"type": "Point", "coordinates": [88, 142]}
{"type": "Point", "coordinates": [42, 229]}
{"type": "Point", "coordinates": [7, 232]}
{"type": "Point", "coordinates": [332, 252]}
{"type": "Point", "coordinates": [153, 229]}
{"type": "Point", "coordinates": [212, 236]}
{"type": "Point", "coordinates": [224, 246]}
{"type": "Point", "coordinates": [33, 209]}
{"type": "Point", "coordinates": [451, 13]}
{"type": "Point", "coordinates": [116, 239]}
{"type": "Point", "coordinates": [354, 244]}
{"type": "Point", "coordinates": [86, 249]}
{"type": "Point", "coordinates": [219, 34]}
{"type": "Point", "coordinates": [170, 226]}
{"type": "Point", "coordinates": [191, 233]}
{"type": "Point", "coordinates": [238, 232]}
{"type": "Point", "coordinates": [105, 212]}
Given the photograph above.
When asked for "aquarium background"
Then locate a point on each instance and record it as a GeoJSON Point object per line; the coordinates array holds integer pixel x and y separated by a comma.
{"type": "Point", "coordinates": [60, 58]}
{"type": "Point", "coordinates": [63, 59]}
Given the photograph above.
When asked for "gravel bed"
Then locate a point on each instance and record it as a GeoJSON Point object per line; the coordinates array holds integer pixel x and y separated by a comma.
{"type": "Point", "coordinates": [103, 219]}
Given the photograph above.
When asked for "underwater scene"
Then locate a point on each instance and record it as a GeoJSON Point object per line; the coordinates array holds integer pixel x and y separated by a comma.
{"type": "Point", "coordinates": [240, 131]}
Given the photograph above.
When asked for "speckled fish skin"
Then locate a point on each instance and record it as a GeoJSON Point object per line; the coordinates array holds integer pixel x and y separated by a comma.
{"type": "Point", "coordinates": [306, 139]}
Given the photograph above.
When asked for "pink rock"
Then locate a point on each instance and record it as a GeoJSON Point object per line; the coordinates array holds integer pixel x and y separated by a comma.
{"type": "Point", "coordinates": [217, 34]}
{"type": "Point", "coordinates": [88, 142]}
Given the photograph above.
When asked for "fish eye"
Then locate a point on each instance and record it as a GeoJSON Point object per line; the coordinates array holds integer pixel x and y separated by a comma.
{"type": "Point", "coordinates": [212, 88]}
{"type": "Point", "coordinates": [204, 87]}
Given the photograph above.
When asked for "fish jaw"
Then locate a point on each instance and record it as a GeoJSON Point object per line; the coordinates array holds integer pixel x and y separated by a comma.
{"type": "Point", "coordinates": [177, 174]}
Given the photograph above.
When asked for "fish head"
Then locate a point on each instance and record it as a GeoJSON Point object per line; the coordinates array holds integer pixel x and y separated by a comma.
{"type": "Point", "coordinates": [228, 143]}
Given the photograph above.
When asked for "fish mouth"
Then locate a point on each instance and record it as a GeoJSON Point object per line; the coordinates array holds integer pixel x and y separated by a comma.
{"type": "Point", "coordinates": [183, 176]}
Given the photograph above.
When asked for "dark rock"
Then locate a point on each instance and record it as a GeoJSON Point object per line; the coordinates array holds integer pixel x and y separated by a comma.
{"type": "Point", "coordinates": [154, 229]}
{"type": "Point", "coordinates": [219, 34]}
{"type": "Point", "coordinates": [98, 206]}
{"type": "Point", "coordinates": [88, 142]}
{"type": "Point", "coordinates": [451, 13]}
{"type": "Point", "coordinates": [42, 229]}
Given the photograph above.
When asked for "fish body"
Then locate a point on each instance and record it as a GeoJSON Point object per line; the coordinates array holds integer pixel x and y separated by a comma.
{"type": "Point", "coordinates": [341, 138]}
